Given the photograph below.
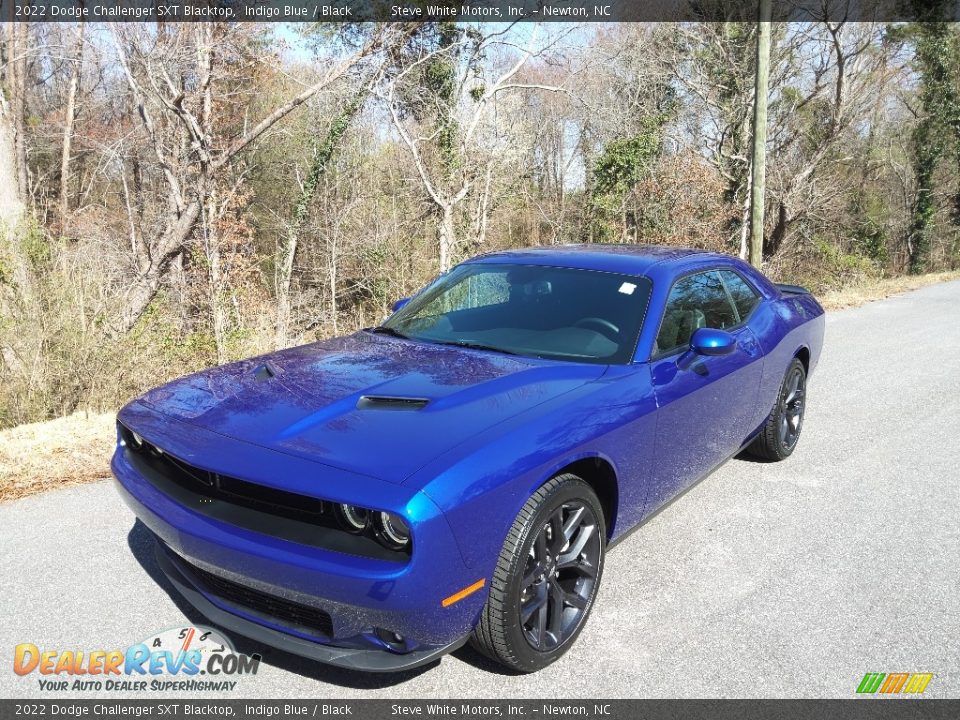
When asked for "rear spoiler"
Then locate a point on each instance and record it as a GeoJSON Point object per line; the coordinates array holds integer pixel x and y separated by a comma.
{"type": "Point", "coordinates": [791, 289]}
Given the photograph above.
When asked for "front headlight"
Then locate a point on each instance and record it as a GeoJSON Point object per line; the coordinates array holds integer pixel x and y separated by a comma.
{"type": "Point", "coordinates": [392, 531]}
{"type": "Point", "coordinates": [388, 528]}
{"type": "Point", "coordinates": [354, 519]}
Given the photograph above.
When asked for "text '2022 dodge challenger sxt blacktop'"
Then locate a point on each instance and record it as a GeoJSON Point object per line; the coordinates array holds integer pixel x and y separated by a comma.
{"type": "Point", "coordinates": [457, 473]}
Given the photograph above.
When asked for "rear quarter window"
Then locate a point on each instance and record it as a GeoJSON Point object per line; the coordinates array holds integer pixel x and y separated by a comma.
{"type": "Point", "coordinates": [744, 297]}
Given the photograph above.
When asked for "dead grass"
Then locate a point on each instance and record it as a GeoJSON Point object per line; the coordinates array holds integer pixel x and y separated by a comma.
{"type": "Point", "coordinates": [76, 449]}
{"type": "Point", "coordinates": [860, 294]}
{"type": "Point", "coordinates": [56, 453]}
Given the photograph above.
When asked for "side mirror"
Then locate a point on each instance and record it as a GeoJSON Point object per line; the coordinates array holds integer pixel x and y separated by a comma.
{"type": "Point", "coordinates": [400, 303]}
{"type": "Point", "coordinates": [711, 341]}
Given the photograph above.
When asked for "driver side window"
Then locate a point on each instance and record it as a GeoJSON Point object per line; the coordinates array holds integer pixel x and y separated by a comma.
{"type": "Point", "coordinates": [696, 301]}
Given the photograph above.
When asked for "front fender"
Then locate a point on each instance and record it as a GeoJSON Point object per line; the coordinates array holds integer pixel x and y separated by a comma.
{"type": "Point", "coordinates": [482, 486]}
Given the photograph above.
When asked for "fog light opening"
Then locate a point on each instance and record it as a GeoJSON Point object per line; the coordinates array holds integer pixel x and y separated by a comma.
{"type": "Point", "coordinates": [393, 640]}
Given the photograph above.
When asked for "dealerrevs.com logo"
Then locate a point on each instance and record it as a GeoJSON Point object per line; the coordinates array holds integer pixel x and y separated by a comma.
{"type": "Point", "coordinates": [189, 659]}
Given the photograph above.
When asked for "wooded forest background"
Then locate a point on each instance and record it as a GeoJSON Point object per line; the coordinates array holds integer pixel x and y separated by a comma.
{"type": "Point", "coordinates": [174, 196]}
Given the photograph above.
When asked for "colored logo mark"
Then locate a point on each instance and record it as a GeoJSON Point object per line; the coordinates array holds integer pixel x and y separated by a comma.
{"type": "Point", "coordinates": [894, 683]}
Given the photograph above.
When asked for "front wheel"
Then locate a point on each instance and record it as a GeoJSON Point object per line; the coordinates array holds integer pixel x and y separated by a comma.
{"type": "Point", "coordinates": [781, 433]}
{"type": "Point", "coordinates": [546, 578]}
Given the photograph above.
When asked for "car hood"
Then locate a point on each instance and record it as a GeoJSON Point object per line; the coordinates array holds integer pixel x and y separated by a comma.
{"type": "Point", "coordinates": [366, 403]}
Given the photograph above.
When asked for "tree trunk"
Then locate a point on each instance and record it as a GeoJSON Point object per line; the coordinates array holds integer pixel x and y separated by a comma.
{"type": "Point", "coordinates": [141, 295]}
{"type": "Point", "coordinates": [482, 213]}
{"type": "Point", "coordinates": [332, 279]}
{"type": "Point", "coordinates": [586, 152]}
{"type": "Point", "coordinates": [924, 207]}
{"type": "Point", "coordinates": [168, 247]}
{"type": "Point", "coordinates": [11, 213]}
{"type": "Point", "coordinates": [288, 253]}
{"type": "Point", "coordinates": [68, 125]}
{"type": "Point", "coordinates": [780, 228]}
{"type": "Point", "coordinates": [11, 201]}
{"type": "Point", "coordinates": [745, 229]}
{"type": "Point", "coordinates": [12, 210]}
{"type": "Point", "coordinates": [447, 237]}
{"type": "Point", "coordinates": [218, 314]}
{"type": "Point", "coordinates": [18, 87]}
{"type": "Point", "coordinates": [757, 186]}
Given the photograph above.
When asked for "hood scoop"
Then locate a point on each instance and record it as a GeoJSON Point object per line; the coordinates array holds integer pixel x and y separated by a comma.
{"type": "Point", "coordinates": [263, 372]}
{"type": "Point", "coordinates": [387, 402]}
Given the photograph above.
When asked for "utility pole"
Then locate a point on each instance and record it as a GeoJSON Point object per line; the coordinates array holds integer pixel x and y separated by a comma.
{"type": "Point", "coordinates": [758, 179]}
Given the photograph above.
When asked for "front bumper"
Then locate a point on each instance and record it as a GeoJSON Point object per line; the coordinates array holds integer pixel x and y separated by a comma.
{"type": "Point", "coordinates": [353, 658]}
{"type": "Point", "coordinates": [358, 595]}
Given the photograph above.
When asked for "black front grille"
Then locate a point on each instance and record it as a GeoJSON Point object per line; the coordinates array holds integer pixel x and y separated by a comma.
{"type": "Point", "coordinates": [280, 513]}
{"type": "Point", "coordinates": [285, 612]}
{"type": "Point", "coordinates": [240, 492]}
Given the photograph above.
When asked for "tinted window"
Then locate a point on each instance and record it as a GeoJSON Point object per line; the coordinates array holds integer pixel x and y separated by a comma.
{"type": "Point", "coordinates": [475, 291]}
{"type": "Point", "coordinates": [744, 296]}
{"type": "Point", "coordinates": [695, 301]}
{"type": "Point", "coordinates": [562, 313]}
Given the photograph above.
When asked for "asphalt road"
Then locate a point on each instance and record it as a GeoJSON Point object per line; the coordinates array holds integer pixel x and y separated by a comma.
{"type": "Point", "coordinates": [765, 580]}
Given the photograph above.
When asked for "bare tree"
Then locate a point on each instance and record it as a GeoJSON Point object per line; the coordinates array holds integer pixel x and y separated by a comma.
{"type": "Point", "coordinates": [11, 200]}
{"type": "Point", "coordinates": [191, 186]}
{"type": "Point", "coordinates": [19, 51]}
{"type": "Point", "coordinates": [845, 73]}
{"type": "Point", "coordinates": [154, 90]}
{"type": "Point", "coordinates": [323, 156]}
{"type": "Point", "coordinates": [68, 120]}
{"type": "Point", "coordinates": [465, 112]}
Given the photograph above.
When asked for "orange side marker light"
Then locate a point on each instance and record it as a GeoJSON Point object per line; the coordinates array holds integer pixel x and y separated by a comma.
{"type": "Point", "coordinates": [458, 596]}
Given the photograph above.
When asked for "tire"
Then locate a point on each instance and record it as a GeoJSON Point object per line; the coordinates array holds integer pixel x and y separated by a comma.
{"type": "Point", "coordinates": [780, 434]}
{"type": "Point", "coordinates": [537, 574]}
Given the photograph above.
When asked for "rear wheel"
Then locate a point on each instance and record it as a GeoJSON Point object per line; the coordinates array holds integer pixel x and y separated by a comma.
{"type": "Point", "coordinates": [546, 578]}
{"type": "Point", "coordinates": [781, 433]}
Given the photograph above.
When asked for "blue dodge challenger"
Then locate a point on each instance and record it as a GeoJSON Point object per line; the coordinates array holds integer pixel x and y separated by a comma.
{"type": "Point", "coordinates": [457, 473]}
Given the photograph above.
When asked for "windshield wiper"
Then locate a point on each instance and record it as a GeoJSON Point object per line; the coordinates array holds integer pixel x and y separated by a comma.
{"type": "Point", "coordinates": [474, 346]}
{"type": "Point", "coordinates": [384, 330]}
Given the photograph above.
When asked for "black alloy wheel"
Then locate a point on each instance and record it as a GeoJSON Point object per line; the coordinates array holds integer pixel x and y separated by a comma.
{"type": "Point", "coordinates": [559, 576]}
{"type": "Point", "coordinates": [547, 577]}
{"type": "Point", "coordinates": [780, 434]}
{"type": "Point", "coordinates": [791, 419]}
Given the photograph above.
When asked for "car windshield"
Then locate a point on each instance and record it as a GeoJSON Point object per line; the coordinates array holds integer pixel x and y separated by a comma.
{"type": "Point", "coordinates": [533, 310]}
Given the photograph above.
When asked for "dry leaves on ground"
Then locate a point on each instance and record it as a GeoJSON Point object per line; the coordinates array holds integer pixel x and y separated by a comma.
{"type": "Point", "coordinates": [860, 294]}
{"type": "Point", "coordinates": [65, 451]}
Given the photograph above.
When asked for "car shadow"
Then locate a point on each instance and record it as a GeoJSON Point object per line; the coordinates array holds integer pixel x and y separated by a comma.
{"type": "Point", "coordinates": [472, 657]}
{"type": "Point", "coordinates": [747, 457]}
{"type": "Point", "coordinates": [141, 543]}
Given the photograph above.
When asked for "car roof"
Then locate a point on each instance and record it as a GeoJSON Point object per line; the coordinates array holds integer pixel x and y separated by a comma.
{"type": "Point", "coordinates": [628, 259]}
